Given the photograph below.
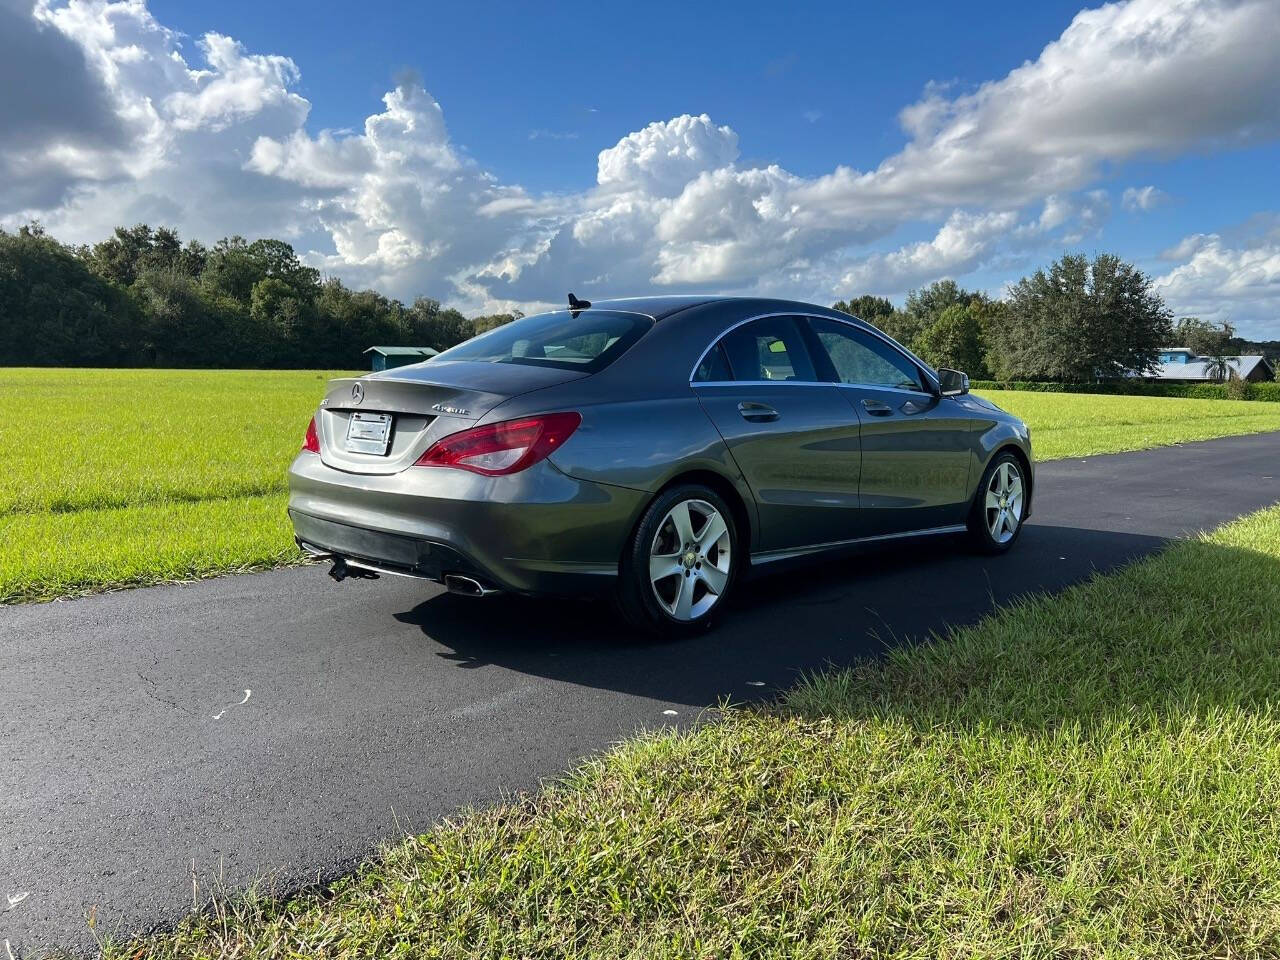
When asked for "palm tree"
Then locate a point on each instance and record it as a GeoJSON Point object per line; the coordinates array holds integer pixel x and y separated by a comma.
{"type": "Point", "coordinates": [1218, 368]}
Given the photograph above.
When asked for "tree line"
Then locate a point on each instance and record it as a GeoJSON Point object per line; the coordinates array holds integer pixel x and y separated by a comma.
{"type": "Point", "coordinates": [1076, 321]}
{"type": "Point", "coordinates": [144, 298]}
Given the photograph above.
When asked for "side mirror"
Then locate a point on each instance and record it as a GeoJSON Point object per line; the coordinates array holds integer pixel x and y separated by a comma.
{"type": "Point", "coordinates": [952, 383]}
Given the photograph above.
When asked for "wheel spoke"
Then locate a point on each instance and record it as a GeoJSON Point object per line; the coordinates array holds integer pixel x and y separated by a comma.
{"type": "Point", "coordinates": [711, 532]}
{"type": "Point", "coordinates": [663, 566]}
{"type": "Point", "coordinates": [714, 578]}
{"type": "Point", "coordinates": [684, 599]}
{"type": "Point", "coordinates": [680, 520]}
{"type": "Point", "coordinates": [993, 500]}
{"type": "Point", "coordinates": [1015, 486]}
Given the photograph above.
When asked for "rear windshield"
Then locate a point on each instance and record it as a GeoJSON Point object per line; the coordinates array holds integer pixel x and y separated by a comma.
{"type": "Point", "coordinates": [588, 341]}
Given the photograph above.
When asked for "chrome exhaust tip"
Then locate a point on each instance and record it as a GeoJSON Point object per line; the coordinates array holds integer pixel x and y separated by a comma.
{"type": "Point", "coordinates": [467, 586]}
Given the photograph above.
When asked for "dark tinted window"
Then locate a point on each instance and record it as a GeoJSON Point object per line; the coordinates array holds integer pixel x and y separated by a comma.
{"type": "Point", "coordinates": [714, 366]}
{"type": "Point", "coordinates": [771, 348]}
{"type": "Point", "coordinates": [589, 341]}
{"type": "Point", "coordinates": [860, 357]}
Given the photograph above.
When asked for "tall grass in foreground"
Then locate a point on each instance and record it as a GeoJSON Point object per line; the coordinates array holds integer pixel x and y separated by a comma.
{"type": "Point", "coordinates": [1093, 774]}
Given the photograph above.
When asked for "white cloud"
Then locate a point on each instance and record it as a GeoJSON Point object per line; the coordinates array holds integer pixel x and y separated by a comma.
{"type": "Point", "coordinates": [664, 156]}
{"type": "Point", "coordinates": [1142, 199]}
{"type": "Point", "coordinates": [1218, 281]}
{"type": "Point", "coordinates": [728, 226]}
{"type": "Point", "coordinates": [218, 144]}
{"type": "Point", "coordinates": [235, 85]}
{"type": "Point", "coordinates": [184, 133]}
{"type": "Point", "coordinates": [960, 245]}
{"type": "Point", "coordinates": [1186, 248]}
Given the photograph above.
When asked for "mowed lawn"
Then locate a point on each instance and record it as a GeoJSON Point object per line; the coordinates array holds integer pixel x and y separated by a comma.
{"type": "Point", "coordinates": [1086, 424]}
{"type": "Point", "coordinates": [1092, 774]}
{"type": "Point", "coordinates": [124, 477]}
{"type": "Point", "coordinates": [119, 477]}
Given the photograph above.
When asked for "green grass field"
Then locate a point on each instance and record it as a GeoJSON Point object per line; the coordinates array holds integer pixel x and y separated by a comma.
{"type": "Point", "coordinates": [1086, 424]}
{"type": "Point", "coordinates": [119, 477]}
{"type": "Point", "coordinates": [1092, 774]}
{"type": "Point", "coordinates": [124, 477]}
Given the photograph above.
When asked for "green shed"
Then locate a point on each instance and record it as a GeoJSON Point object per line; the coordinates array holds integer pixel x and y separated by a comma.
{"type": "Point", "coordinates": [386, 357]}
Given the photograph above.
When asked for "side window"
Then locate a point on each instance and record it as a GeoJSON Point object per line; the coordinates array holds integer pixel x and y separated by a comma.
{"type": "Point", "coordinates": [859, 357]}
{"type": "Point", "coordinates": [714, 366]}
{"type": "Point", "coordinates": [771, 348]}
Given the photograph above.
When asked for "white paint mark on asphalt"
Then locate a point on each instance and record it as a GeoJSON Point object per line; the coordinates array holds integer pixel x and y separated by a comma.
{"type": "Point", "coordinates": [17, 898]}
{"type": "Point", "coordinates": [755, 683]}
{"type": "Point", "coordinates": [247, 694]}
{"type": "Point", "coordinates": [671, 713]}
{"type": "Point", "coordinates": [9, 950]}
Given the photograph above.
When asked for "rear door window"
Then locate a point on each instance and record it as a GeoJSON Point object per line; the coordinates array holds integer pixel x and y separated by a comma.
{"type": "Point", "coordinates": [771, 348]}
{"type": "Point", "coordinates": [714, 367]}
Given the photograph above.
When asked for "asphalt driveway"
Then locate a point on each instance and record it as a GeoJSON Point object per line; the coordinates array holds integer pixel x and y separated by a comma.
{"type": "Point", "coordinates": [282, 725]}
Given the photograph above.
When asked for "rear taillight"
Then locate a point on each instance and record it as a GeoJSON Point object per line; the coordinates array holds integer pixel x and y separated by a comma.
{"type": "Point", "coordinates": [312, 443]}
{"type": "Point", "coordinates": [498, 449]}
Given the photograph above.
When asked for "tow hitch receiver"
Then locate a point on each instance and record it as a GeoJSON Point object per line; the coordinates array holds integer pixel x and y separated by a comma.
{"type": "Point", "coordinates": [340, 571]}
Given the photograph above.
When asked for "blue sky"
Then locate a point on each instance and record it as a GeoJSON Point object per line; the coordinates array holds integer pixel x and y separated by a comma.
{"type": "Point", "coordinates": [504, 70]}
{"type": "Point", "coordinates": [498, 154]}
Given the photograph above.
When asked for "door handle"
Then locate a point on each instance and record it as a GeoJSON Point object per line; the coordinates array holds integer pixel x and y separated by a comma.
{"type": "Point", "coordinates": [757, 412]}
{"type": "Point", "coordinates": [877, 408]}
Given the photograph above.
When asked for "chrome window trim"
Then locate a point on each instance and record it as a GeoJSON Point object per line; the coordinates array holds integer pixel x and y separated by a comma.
{"type": "Point", "coordinates": [810, 383]}
{"type": "Point", "coordinates": [855, 322]}
{"type": "Point", "coordinates": [761, 383]}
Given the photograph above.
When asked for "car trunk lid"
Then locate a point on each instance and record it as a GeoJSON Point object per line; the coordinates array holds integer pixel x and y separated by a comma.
{"type": "Point", "coordinates": [381, 424]}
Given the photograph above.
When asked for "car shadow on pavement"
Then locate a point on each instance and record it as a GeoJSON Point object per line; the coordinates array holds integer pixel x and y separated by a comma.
{"type": "Point", "coordinates": [827, 612]}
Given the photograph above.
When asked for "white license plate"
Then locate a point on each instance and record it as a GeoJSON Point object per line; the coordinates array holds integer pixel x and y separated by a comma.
{"type": "Point", "coordinates": [369, 433]}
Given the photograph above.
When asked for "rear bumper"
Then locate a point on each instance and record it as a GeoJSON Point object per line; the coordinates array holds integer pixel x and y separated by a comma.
{"type": "Point", "coordinates": [418, 558]}
{"type": "Point", "coordinates": [538, 531]}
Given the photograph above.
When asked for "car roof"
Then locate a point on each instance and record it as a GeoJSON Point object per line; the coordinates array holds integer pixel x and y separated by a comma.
{"type": "Point", "coordinates": [656, 307]}
{"type": "Point", "coordinates": [664, 306]}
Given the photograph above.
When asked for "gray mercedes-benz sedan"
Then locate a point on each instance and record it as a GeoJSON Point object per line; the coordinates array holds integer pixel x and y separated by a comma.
{"type": "Point", "coordinates": [655, 448]}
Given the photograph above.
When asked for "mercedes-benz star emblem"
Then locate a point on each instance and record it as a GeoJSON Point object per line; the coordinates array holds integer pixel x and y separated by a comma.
{"type": "Point", "coordinates": [357, 393]}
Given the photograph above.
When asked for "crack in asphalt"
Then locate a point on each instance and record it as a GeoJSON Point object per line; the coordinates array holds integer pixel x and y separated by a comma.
{"type": "Point", "coordinates": [152, 691]}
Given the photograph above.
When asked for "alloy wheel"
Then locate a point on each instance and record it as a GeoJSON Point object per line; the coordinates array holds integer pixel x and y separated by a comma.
{"type": "Point", "coordinates": [689, 559]}
{"type": "Point", "coordinates": [1004, 502]}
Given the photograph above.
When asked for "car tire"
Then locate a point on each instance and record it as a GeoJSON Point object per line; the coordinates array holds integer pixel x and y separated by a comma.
{"type": "Point", "coordinates": [678, 569]}
{"type": "Point", "coordinates": [999, 506]}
